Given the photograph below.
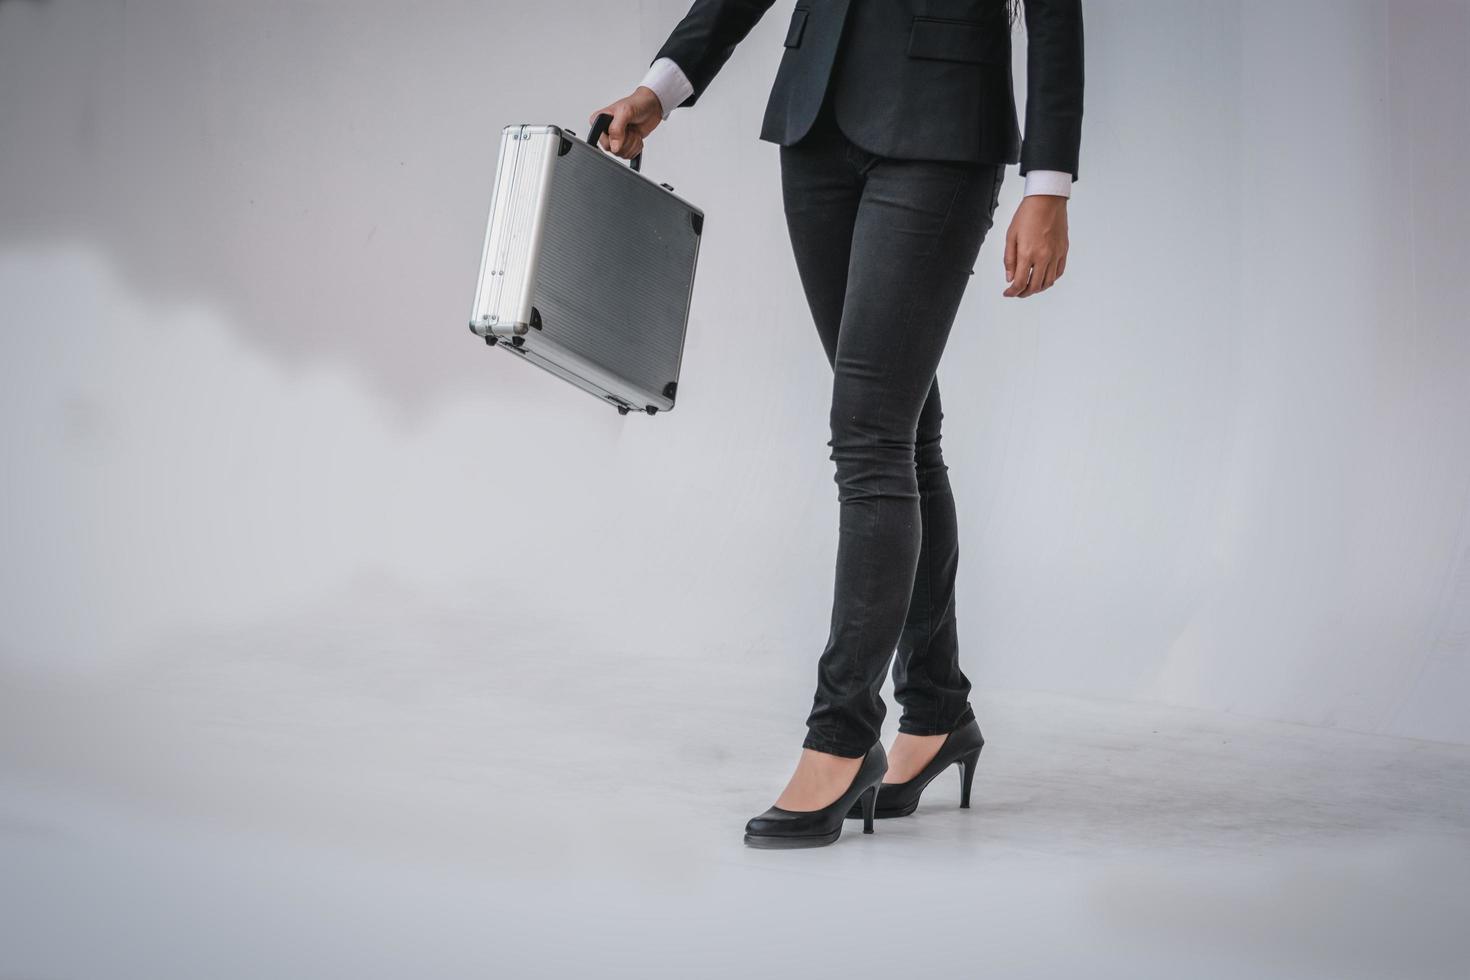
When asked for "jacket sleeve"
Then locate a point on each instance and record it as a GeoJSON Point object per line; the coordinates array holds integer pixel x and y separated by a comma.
{"type": "Point", "coordinates": [704, 40]}
{"type": "Point", "coordinates": [1053, 86]}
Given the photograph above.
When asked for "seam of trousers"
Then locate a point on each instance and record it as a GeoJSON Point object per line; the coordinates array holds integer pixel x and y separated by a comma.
{"type": "Point", "coordinates": [928, 610]}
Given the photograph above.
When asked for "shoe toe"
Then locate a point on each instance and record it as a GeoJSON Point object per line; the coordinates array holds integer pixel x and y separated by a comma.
{"type": "Point", "coordinates": [766, 824]}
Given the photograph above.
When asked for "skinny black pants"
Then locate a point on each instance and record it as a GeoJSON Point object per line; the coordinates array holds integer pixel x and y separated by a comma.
{"type": "Point", "coordinates": [884, 248]}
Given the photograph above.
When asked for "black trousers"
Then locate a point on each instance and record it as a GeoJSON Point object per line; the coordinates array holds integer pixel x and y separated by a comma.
{"type": "Point", "coordinates": [884, 248]}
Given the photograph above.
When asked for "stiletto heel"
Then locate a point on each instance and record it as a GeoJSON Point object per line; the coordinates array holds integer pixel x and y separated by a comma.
{"type": "Point", "coordinates": [870, 803]}
{"type": "Point", "coordinates": [961, 747]}
{"type": "Point", "coordinates": [967, 776]}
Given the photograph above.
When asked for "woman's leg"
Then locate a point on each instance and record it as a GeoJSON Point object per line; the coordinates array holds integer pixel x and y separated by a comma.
{"type": "Point", "coordinates": [927, 680]}
{"type": "Point", "coordinates": [824, 178]}
{"type": "Point", "coordinates": [821, 210]}
{"type": "Point", "coordinates": [821, 190]}
{"type": "Point", "coordinates": [917, 233]}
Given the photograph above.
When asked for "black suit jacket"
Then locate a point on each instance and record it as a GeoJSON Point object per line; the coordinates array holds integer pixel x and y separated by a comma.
{"type": "Point", "coordinates": [912, 79]}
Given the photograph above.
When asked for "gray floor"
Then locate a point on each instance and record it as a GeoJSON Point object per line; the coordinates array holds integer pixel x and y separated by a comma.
{"type": "Point", "coordinates": [320, 804]}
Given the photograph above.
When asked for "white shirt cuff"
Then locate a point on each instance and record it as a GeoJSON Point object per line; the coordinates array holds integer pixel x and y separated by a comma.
{"type": "Point", "coordinates": [669, 83]}
{"type": "Point", "coordinates": [1057, 182]}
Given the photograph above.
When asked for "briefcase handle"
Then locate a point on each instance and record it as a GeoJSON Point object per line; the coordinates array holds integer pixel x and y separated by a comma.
{"type": "Point", "coordinates": [599, 127]}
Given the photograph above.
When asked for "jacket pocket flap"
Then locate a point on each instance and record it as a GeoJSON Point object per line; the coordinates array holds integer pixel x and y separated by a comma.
{"type": "Point", "coordinates": [957, 40]}
{"type": "Point", "coordinates": [798, 24]}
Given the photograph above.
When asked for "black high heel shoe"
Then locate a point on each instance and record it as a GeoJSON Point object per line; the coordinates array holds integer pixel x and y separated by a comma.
{"type": "Point", "coordinates": [960, 747]}
{"type": "Point", "coordinates": [813, 828]}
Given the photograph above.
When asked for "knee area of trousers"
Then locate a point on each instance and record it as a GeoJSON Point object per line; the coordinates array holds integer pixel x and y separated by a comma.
{"type": "Point", "coordinates": [891, 455]}
{"type": "Point", "coordinates": [862, 476]}
{"type": "Point", "coordinates": [862, 428]}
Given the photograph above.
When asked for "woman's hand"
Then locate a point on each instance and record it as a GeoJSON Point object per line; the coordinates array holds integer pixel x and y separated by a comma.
{"type": "Point", "coordinates": [633, 119]}
{"type": "Point", "coordinates": [1036, 245]}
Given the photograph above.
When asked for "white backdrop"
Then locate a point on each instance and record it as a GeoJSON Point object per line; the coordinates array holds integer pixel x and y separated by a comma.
{"type": "Point", "coordinates": [1225, 464]}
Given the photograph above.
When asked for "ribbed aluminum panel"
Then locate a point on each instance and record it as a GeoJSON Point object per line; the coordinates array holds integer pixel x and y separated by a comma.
{"type": "Point", "coordinates": [588, 267]}
{"type": "Point", "coordinates": [617, 268]}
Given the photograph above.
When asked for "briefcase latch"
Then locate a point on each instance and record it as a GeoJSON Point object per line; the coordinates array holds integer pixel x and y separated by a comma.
{"type": "Point", "coordinates": [492, 326]}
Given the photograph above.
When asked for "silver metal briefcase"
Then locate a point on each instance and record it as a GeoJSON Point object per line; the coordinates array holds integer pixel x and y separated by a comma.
{"type": "Point", "coordinates": [588, 267]}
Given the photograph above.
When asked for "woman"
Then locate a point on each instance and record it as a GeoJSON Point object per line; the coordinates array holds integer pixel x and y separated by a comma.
{"type": "Point", "coordinates": [895, 120]}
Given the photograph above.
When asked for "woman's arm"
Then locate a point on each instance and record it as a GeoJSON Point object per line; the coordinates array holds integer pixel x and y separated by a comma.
{"type": "Point", "coordinates": [695, 52]}
{"type": "Point", "coordinates": [1053, 86]}
{"type": "Point", "coordinates": [703, 41]}
{"type": "Point", "coordinates": [1037, 241]}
